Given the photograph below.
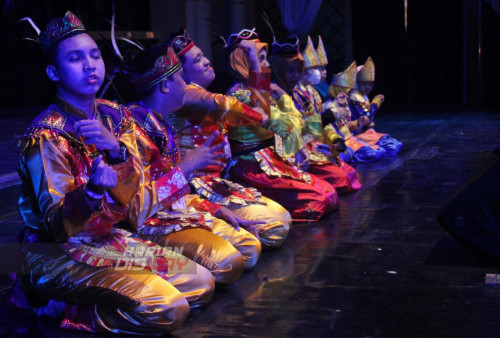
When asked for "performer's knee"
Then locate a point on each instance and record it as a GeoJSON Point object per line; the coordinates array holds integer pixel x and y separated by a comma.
{"type": "Point", "coordinates": [229, 269]}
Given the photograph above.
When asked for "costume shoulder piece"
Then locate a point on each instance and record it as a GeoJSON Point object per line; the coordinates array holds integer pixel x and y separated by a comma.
{"type": "Point", "coordinates": [148, 121]}
{"type": "Point", "coordinates": [53, 118]}
{"type": "Point", "coordinates": [114, 113]}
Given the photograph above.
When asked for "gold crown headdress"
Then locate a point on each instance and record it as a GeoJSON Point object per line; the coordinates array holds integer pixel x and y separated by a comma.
{"type": "Point", "coordinates": [309, 54]}
{"type": "Point", "coordinates": [367, 72]}
{"type": "Point", "coordinates": [320, 51]}
{"type": "Point", "coordinates": [346, 78]}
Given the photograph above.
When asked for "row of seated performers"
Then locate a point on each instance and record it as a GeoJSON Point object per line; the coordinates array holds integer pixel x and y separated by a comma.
{"type": "Point", "coordinates": [134, 213]}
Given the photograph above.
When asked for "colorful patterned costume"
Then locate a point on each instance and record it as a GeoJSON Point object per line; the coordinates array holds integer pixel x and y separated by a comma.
{"type": "Point", "coordinates": [204, 113]}
{"type": "Point", "coordinates": [338, 123]}
{"type": "Point", "coordinates": [261, 153]}
{"type": "Point", "coordinates": [360, 105]}
{"type": "Point", "coordinates": [308, 102]}
{"type": "Point", "coordinates": [74, 254]}
{"type": "Point", "coordinates": [163, 211]}
{"type": "Point", "coordinates": [183, 220]}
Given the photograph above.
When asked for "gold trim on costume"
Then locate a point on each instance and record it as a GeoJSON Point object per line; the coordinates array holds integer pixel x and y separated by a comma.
{"type": "Point", "coordinates": [249, 196]}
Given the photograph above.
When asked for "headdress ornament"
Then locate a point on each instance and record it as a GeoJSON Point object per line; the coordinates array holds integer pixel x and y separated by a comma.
{"type": "Point", "coordinates": [59, 29]}
{"type": "Point", "coordinates": [309, 54]}
{"type": "Point", "coordinates": [289, 47]}
{"type": "Point", "coordinates": [182, 44]}
{"type": "Point", "coordinates": [367, 72]}
{"type": "Point", "coordinates": [320, 51]}
{"type": "Point", "coordinates": [164, 66]}
{"type": "Point", "coordinates": [245, 34]}
{"type": "Point", "coordinates": [345, 78]}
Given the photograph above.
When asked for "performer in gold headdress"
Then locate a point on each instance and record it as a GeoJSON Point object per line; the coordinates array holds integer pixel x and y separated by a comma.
{"type": "Point", "coordinates": [79, 173]}
{"type": "Point", "coordinates": [204, 113]}
{"type": "Point", "coordinates": [338, 124]}
{"type": "Point", "coordinates": [307, 100]}
{"type": "Point", "coordinates": [262, 154]}
{"type": "Point", "coordinates": [360, 105]}
{"type": "Point", "coordinates": [365, 79]}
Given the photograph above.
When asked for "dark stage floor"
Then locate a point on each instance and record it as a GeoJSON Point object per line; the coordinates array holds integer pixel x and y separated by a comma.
{"type": "Point", "coordinates": [380, 267]}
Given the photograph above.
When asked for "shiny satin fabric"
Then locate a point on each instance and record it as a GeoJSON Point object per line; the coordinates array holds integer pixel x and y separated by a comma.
{"type": "Point", "coordinates": [370, 136]}
{"type": "Point", "coordinates": [362, 152]}
{"type": "Point", "coordinates": [275, 219]}
{"type": "Point", "coordinates": [385, 141]}
{"type": "Point", "coordinates": [390, 144]}
{"type": "Point", "coordinates": [281, 122]}
{"type": "Point", "coordinates": [54, 168]}
{"type": "Point", "coordinates": [246, 243]}
{"type": "Point", "coordinates": [365, 154]}
{"type": "Point", "coordinates": [305, 202]}
{"type": "Point", "coordinates": [273, 232]}
{"type": "Point", "coordinates": [223, 109]}
{"type": "Point", "coordinates": [225, 258]}
{"type": "Point", "coordinates": [204, 113]}
{"type": "Point", "coordinates": [343, 180]}
{"type": "Point", "coordinates": [248, 203]}
{"type": "Point", "coordinates": [213, 252]}
{"type": "Point", "coordinates": [119, 300]}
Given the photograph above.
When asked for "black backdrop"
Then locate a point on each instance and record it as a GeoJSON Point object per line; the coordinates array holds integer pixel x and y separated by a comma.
{"type": "Point", "coordinates": [420, 67]}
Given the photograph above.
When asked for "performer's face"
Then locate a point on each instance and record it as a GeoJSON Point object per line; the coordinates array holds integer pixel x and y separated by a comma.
{"type": "Point", "coordinates": [293, 74]}
{"type": "Point", "coordinates": [176, 90]}
{"type": "Point", "coordinates": [79, 69]}
{"type": "Point", "coordinates": [263, 58]}
{"type": "Point", "coordinates": [365, 87]}
{"type": "Point", "coordinates": [322, 70]}
{"type": "Point", "coordinates": [197, 68]}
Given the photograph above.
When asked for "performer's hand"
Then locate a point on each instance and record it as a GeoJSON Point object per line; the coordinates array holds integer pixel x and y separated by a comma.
{"type": "Point", "coordinates": [339, 145]}
{"type": "Point", "coordinates": [363, 121]}
{"type": "Point", "coordinates": [236, 221]}
{"type": "Point", "coordinates": [102, 176]}
{"type": "Point", "coordinates": [202, 156]}
{"type": "Point", "coordinates": [93, 132]}
{"type": "Point", "coordinates": [379, 98]}
{"type": "Point", "coordinates": [250, 49]}
{"type": "Point", "coordinates": [276, 91]}
{"type": "Point", "coordinates": [261, 111]}
{"type": "Point", "coordinates": [302, 159]}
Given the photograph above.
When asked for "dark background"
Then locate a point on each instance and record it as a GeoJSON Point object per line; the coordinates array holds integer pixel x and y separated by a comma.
{"type": "Point", "coordinates": [434, 63]}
